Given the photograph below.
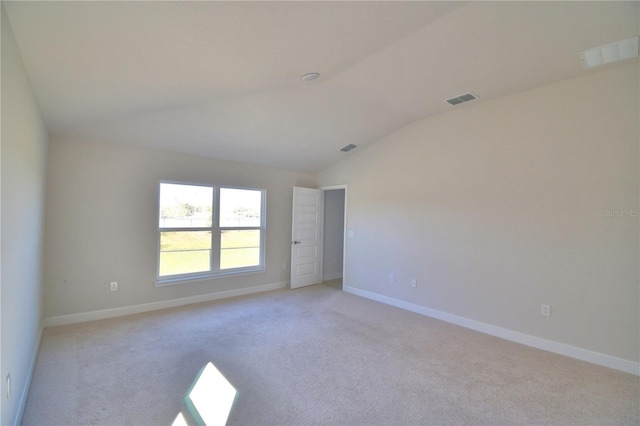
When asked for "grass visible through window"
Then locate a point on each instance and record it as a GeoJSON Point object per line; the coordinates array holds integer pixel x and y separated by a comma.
{"type": "Point", "coordinates": [239, 248]}
{"type": "Point", "coordinates": [183, 252]}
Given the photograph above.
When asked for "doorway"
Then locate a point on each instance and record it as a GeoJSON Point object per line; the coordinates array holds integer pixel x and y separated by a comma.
{"type": "Point", "coordinates": [333, 236]}
{"type": "Point", "coordinates": [318, 243]}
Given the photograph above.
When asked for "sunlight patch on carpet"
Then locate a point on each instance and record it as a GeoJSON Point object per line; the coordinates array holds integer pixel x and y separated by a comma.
{"type": "Point", "coordinates": [210, 399]}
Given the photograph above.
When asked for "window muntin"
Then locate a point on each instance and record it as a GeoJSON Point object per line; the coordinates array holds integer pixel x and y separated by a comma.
{"type": "Point", "coordinates": [206, 231]}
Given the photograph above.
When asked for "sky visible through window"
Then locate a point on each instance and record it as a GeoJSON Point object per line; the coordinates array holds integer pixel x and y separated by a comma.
{"type": "Point", "coordinates": [185, 206]}
{"type": "Point", "coordinates": [239, 207]}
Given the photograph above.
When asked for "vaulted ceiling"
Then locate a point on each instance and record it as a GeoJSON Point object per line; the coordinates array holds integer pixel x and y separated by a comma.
{"type": "Point", "coordinates": [223, 79]}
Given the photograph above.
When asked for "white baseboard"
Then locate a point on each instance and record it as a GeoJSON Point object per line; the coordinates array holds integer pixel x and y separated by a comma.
{"type": "Point", "coordinates": [25, 391]}
{"type": "Point", "coordinates": [504, 333]}
{"type": "Point", "coordinates": [147, 307]}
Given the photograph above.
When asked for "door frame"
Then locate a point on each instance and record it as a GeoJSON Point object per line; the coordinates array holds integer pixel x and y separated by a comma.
{"type": "Point", "coordinates": [344, 231]}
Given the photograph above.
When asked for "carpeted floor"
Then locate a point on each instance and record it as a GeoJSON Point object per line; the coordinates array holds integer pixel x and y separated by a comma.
{"type": "Point", "coordinates": [315, 355]}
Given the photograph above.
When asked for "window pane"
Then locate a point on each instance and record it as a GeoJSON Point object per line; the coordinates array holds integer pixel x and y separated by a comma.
{"type": "Point", "coordinates": [185, 206]}
{"type": "Point", "coordinates": [185, 252]}
{"type": "Point", "coordinates": [240, 249]}
{"type": "Point", "coordinates": [240, 207]}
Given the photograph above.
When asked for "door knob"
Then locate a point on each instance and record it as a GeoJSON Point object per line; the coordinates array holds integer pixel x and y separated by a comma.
{"type": "Point", "coordinates": [295, 242]}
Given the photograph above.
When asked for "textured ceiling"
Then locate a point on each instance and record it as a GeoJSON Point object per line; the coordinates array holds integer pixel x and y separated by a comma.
{"type": "Point", "coordinates": [222, 79]}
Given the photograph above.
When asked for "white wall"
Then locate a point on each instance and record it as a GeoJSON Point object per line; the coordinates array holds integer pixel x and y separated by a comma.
{"type": "Point", "coordinates": [500, 206]}
{"type": "Point", "coordinates": [22, 171]}
{"type": "Point", "coordinates": [101, 223]}
{"type": "Point", "coordinates": [333, 234]}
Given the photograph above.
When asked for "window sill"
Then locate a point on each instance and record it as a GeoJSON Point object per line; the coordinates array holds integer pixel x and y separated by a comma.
{"type": "Point", "coordinates": [163, 282]}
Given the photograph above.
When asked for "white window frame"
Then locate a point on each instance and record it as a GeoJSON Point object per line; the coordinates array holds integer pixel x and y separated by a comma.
{"type": "Point", "coordinates": [216, 233]}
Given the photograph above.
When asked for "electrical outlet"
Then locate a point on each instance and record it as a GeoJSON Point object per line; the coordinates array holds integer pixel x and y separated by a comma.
{"type": "Point", "coordinates": [8, 385]}
{"type": "Point", "coordinates": [414, 283]}
{"type": "Point", "coordinates": [392, 278]}
{"type": "Point", "coordinates": [545, 310]}
{"type": "Point", "coordinates": [114, 286]}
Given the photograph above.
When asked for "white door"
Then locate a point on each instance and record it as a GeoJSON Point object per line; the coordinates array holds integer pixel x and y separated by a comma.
{"type": "Point", "coordinates": [306, 237]}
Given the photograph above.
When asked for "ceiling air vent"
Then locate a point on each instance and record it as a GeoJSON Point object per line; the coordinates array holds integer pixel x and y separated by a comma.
{"type": "Point", "coordinates": [348, 148]}
{"type": "Point", "coordinates": [461, 98]}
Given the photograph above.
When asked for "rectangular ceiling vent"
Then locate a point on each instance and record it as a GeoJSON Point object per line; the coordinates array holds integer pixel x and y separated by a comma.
{"type": "Point", "coordinates": [348, 148]}
{"type": "Point", "coordinates": [461, 98]}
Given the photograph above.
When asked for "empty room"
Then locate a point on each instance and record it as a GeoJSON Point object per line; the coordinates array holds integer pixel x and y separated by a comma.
{"type": "Point", "coordinates": [340, 212]}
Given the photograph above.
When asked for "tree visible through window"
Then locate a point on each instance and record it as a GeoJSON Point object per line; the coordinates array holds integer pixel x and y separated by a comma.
{"type": "Point", "coordinates": [205, 230]}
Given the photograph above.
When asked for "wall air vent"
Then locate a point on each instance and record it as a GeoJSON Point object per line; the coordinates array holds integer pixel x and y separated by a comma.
{"type": "Point", "coordinates": [348, 148]}
{"type": "Point", "coordinates": [461, 98]}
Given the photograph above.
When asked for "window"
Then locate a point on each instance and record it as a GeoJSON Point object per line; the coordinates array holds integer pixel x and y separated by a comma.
{"type": "Point", "coordinates": [205, 231]}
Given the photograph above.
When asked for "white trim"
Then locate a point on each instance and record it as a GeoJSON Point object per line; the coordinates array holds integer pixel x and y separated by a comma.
{"type": "Point", "coordinates": [146, 307]}
{"type": "Point", "coordinates": [332, 187]}
{"type": "Point", "coordinates": [27, 385]}
{"type": "Point", "coordinates": [190, 279]}
{"type": "Point", "coordinates": [598, 358]}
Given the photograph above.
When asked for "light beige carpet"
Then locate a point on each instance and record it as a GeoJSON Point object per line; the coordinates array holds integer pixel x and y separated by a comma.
{"type": "Point", "coordinates": [315, 356]}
